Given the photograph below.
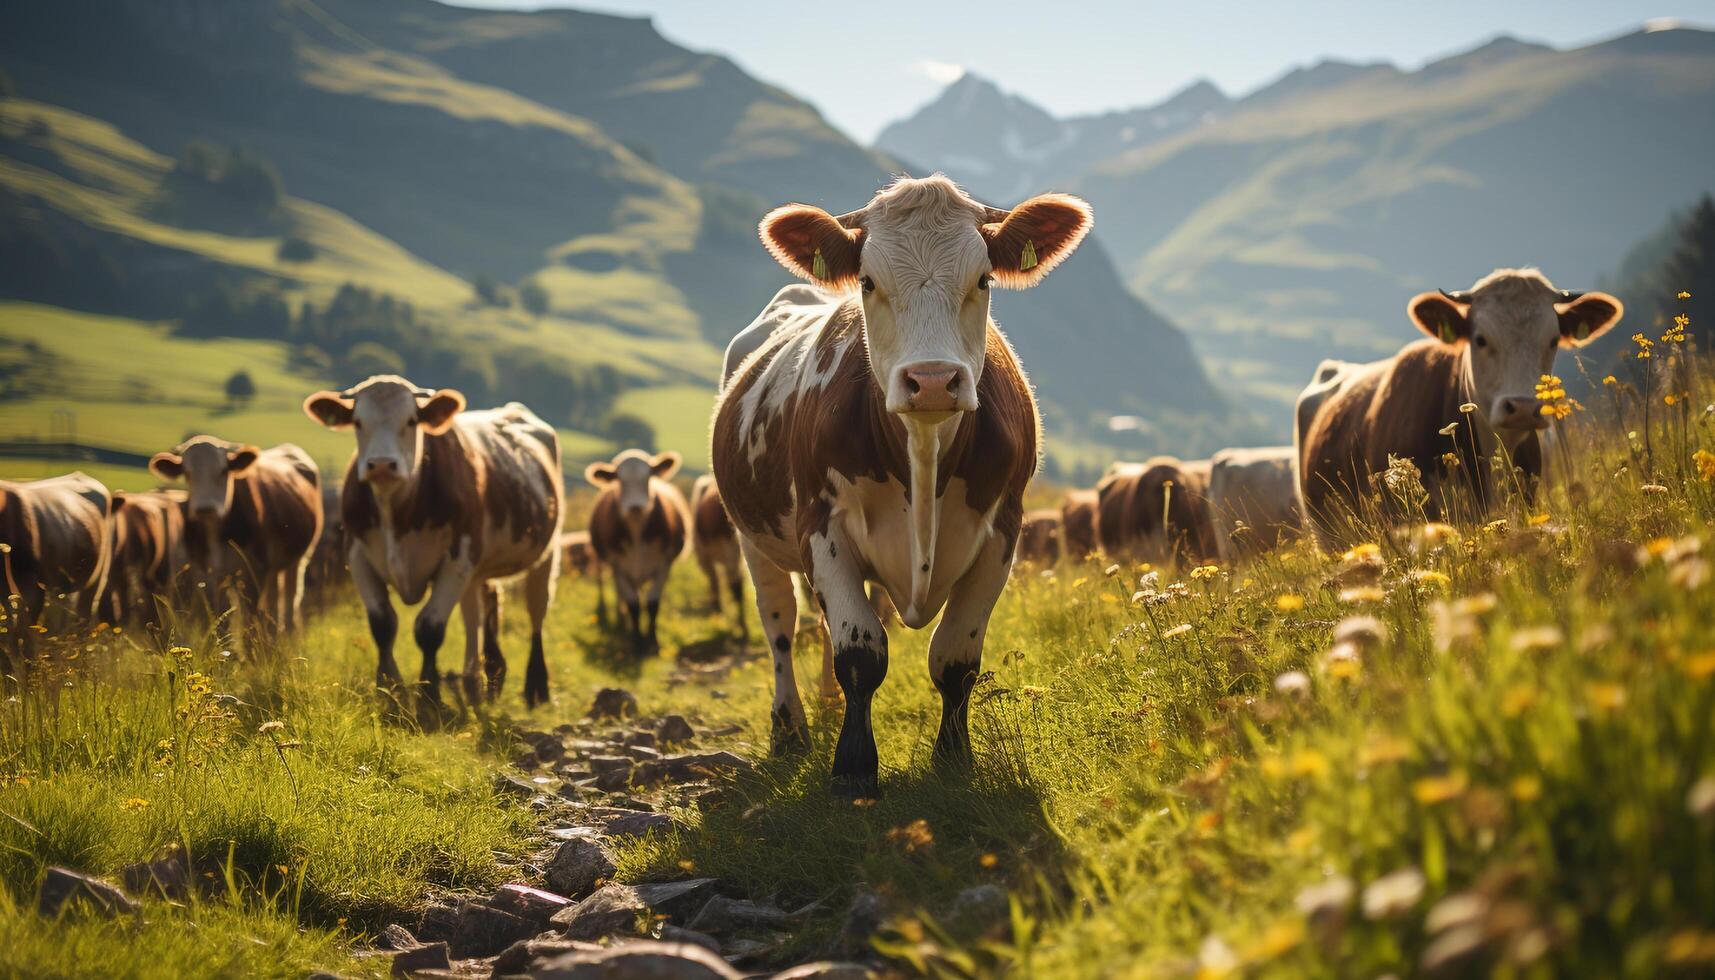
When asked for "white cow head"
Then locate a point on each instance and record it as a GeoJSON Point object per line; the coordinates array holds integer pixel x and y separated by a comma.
{"type": "Point", "coordinates": [924, 255]}
{"type": "Point", "coordinates": [1512, 323]}
{"type": "Point", "coordinates": [208, 466]}
{"type": "Point", "coordinates": [391, 417]}
{"type": "Point", "coordinates": [633, 470]}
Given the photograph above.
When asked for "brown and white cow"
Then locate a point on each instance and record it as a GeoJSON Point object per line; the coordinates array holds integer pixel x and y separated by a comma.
{"type": "Point", "coordinates": [1487, 347]}
{"type": "Point", "coordinates": [1078, 512]}
{"type": "Point", "coordinates": [148, 547]}
{"type": "Point", "coordinates": [1039, 538]}
{"type": "Point", "coordinates": [1156, 511]}
{"type": "Point", "coordinates": [886, 434]}
{"type": "Point", "coordinates": [714, 543]}
{"type": "Point", "coordinates": [448, 503]}
{"type": "Point", "coordinates": [252, 518]}
{"type": "Point", "coordinates": [1253, 497]}
{"type": "Point", "coordinates": [637, 526]}
{"type": "Point", "coordinates": [54, 540]}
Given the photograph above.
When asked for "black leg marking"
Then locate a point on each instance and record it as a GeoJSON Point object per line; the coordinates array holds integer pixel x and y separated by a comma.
{"type": "Point", "coordinates": [654, 611]}
{"type": "Point", "coordinates": [536, 674]}
{"type": "Point", "coordinates": [786, 737]}
{"type": "Point", "coordinates": [493, 660]}
{"type": "Point", "coordinates": [429, 635]}
{"type": "Point", "coordinates": [953, 741]}
{"type": "Point", "coordinates": [860, 670]}
{"type": "Point", "coordinates": [384, 628]}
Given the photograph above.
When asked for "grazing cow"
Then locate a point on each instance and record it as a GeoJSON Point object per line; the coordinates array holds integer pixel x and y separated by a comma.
{"type": "Point", "coordinates": [1253, 494]}
{"type": "Point", "coordinates": [637, 526]}
{"type": "Point", "coordinates": [448, 503]}
{"type": "Point", "coordinates": [148, 552]}
{"type": "Point", "coordinates": [714, 542]}
{"type": "Point", "coordinates": [54, 540]}
{"type": "Point", "coordinates": [1487, 348]}
{"type": "Point", "coordinates": [1078, 523]}
{"type": "Point", "coordinates": [252, 518]}
{"type": "Point", "coordinates": [886, 434]}
{"type": "Point", "coordinates": [1039, 538]}
{"type": "Point", "coordinates": [1156, 511]}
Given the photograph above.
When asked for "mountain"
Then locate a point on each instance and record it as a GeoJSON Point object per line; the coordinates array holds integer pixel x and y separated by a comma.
{"type": "Point", "coordinates": [578, 161]}
{"type": "Point", "coordinates": [1293, 224]}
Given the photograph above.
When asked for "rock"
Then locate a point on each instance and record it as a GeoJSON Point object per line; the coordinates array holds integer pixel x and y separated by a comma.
{"type": "Point", "coordinates": [526, 761]}
{"type": "Point", "coordinates": [505, 782]}
{"type": "Point", "coordinates": [674, 729]}
{"type": "Point", "coordinates": [613, 780]}
{"type": "Point", "coordinates": [642, 753]}
{"type": "Point", "coordinates": [166, 875]}
{"type": "Point", "coordinates": [638, 961]}
{"type": "Point", "coordinates": [863, 920]}
{"type": "Point", "coordinates": [979, 907]}
{"type": "Point", "coordinates": [724, 731]}
{"type": "Point", "coordinates": [638, 824]}
{"type": "Point", "coordinates": [396, 936]}
{"type": "Point", "coordinates": [483, 930]}
{"type": "Point", "coordinates": [63, 885]}
{"type": "Point", "coordinates": [689, 767]}
{"type": "Point", "coordinates": [613, 702]}
{"type": "Point", "coordinates": [438, 923]}
{"type": "Point", "coordinates": [723, 914]}
{"type": "Point", "coordinates": [529, 903]}
{"type": "Point", "coordinates": [615, 909]}
{"type": "Point", "coordinates": [679, 934]}
{"type": "Point", "coordinates": [599, 764]}
{"type": "Point", "coordinates": [429, 956]}
{"type": "Point", "coordinates": [826, 970]}
{"type": "Point", "coordinates": [521, 955]}
{"type": "Point", "coordinates": [639, 739]}
{"type": "Point", "coordinates": [744, 948]}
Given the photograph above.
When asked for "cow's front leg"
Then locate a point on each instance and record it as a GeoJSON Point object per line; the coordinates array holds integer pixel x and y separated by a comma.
{"type": "Point", "coordinates": [777, 605]}
{"type": "Point", "coordinates": [860, 656]}
{"type": "Point", "coordinates": [630, 608]}
{"type": "Point", "coordinates": [448, 587]}
{"type": "Point", "coordinates": [473, 611]}
{"type": "Point", "coordinates": [956, 650]}
{"type": "Point", "coordinates": [383, 621]}
{"type": "Point", "coordinates": [652, 601]}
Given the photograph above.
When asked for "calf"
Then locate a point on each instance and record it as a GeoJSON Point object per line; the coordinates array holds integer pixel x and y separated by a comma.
{"type": "Point", "coordinates": [714, 543]}
{"type": "Point", "coordinates": [1078, 523]}
{"type": "Point", "coordinates": [886, 434]}
{"type": "Point", "coordinates": [148, 546]}
{"type": "Point", "coordinates": [1039, 538]}
{"type": "Point", "coordinates": [448, 503]}
{"type": "Point", "coordinates": [54, 540]}
{"type": "Point", "coordinates": [1253, 497]}
{"type": "Point", "coordinates": [253, 517]}
{"type": "Point", "coordinates": [1487, 347]}
{"type": "Point", "coordinates": [1156, 511]}
{"type": "Point", "coordinates": [637, 526]}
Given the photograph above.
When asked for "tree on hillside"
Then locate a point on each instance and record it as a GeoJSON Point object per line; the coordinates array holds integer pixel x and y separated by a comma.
{"type": "Point", "coordinates": [240, 389]}
{"type": "Point", "coordinates": [487, 290]}
{"type": "Point", "coordinates": [533, 298]}
{"type": "Point", "coordinates": [628, 431]}
{"type": "Point", "coordinates": [295, 249]}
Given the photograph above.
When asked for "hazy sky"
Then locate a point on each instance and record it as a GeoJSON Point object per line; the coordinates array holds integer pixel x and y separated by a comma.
{"type": "Point", "coordinates": [866, 64]}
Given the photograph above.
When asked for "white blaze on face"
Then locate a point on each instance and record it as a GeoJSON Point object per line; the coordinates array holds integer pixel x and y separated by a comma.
{"type": "Point", "coordinates": [631, 472]}
{"type": "Point", "coordinates": [634, 474]}
{"type": "Point", "coordinates": [390, 417]}
{"type": "Point", "coordinates": [208, 467]}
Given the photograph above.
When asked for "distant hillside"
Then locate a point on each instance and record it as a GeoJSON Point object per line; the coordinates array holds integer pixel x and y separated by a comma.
{"type": "Point", "coordinates": [1294, 223]}
{"type": "Point", "coordinates": [581, 155]}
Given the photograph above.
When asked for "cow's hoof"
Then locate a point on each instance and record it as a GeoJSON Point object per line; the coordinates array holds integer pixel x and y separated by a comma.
{"type": "Point", "coordinates": [788, 736]}
{"type": "Point", "coordinates": [472, 689]}
{"type": "Point", "coordinates": [855, 787]}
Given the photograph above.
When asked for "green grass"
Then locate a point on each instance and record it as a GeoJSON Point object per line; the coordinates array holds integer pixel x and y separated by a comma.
{"type": "Point", "coordinates": [680, 415]}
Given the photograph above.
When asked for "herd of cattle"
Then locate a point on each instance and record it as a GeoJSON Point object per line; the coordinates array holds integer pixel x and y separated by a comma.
{"type": "Point", "coordinates": [874, 435]}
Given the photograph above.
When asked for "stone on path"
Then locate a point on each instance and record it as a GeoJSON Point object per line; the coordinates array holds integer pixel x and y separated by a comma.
{"type": "Point", "coordinates": [615, 909]}
{"type": "Point", "coordinates": [613, 702]}
{"type": "Point", "coordinates": [579, 866]}
{"type": "Point", "coordinates": [530, 903]}
{"type": "Point", "coordinates": [674, 729]}
{"type": "Point", "coordinates": [64, 886]}
{"type": "Point", "coordinates": [826, 970]}
{"type": "Point", "coordinates": [645, 960]}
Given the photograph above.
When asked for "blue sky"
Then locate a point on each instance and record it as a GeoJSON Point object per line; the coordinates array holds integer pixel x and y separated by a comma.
{"type": "Point", "coordinates": [867, 64]}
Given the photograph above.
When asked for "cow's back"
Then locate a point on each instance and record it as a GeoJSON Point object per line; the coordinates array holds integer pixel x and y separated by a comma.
{"type": "Point", "coordinates": [709, 521]}
{"type": "Point", "coordinates": [1256, 487]}
{"type": "Point", "coordinates": [791, 305]}
{"type": "Point", "coordinates": [60, 526]}
{"type": "Point", "coordinates": [1330, 429]}
{"type": "Point", "coordinates": [522, 491]}
{"type": "Point", "coordinates": [287, 520]}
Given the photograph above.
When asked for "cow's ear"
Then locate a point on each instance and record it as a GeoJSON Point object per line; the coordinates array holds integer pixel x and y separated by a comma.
{"type": "Point", "coordinates": [167, 466]}
{"type": "Point", "coordinates": [664, 465]}
{"type": "Point", "coordinates": [1587, 317]}
{"type": "Point", "coordinates": [330, 409]}
{"type": "Point", "coordinates": [118, 500]}
{"type": "Point", "coordinates": [600, 474]}
{"type": "Point", "coordinates": [812, 243]}
{"type": "Point", "coordinates": [239, 461]}
{"type": "Point", "coordinates": [437, 413]}
{"type": "Point", "coordinates": [1440, 317]}
{"type": "Point", "coordinates": [1035, 237]}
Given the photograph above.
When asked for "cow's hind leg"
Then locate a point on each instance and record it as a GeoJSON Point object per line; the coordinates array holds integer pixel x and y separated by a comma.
{"type": "Point", "coordinates": [777, 605]}
{"type": "Point", "coordinates": [956, 650]}
{"type": "Point", "coordinates": [473, 610]}
{"type": "Point", "coordinates": [538, 596]}
{"type": "Point", "coordinates": [860, 658]}
{"type": "Point", "coordinates": [430, 628]}
{"type": "Point", "coordinates": [735, 582]}
{"type": "Point", "coordinates": [493, 658]}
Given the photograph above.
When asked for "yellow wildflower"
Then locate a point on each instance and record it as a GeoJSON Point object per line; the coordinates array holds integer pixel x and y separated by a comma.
{"type": "Point", "coordinates": [1605, 695]}
{"type": "Point", "coordinates": [1363, 553]}
{"type": "Point", "coordinates": [1381, 749]}
{"type": "Point", "coordinates": [1289, 602]}
{"type": "Point", "coordinates": [1308, 763]}
{"type": "Point", "coordinates": [1683, 295]}
{"type": "Point", "coordinates": [1705, 463]}
{"type": "Point", "coordinates": [1205, 571]}
{"type": "Point", "coordinates": [1526, 788]}
{"type": "Point", "coordinates": [1610, 380]}
{"type": "Point", "coordinates": [1552, 394]}
{"type": "Point", "coordinates": [1676, 333]}
{"type": "Point", "coordinates": [1431, 578]}
{"type": "Point", "coordinates": [988, 860]}
{"type": "Point", "coordinates": [1699, 666]}
{"type": "Point", "coordinates": [1517, 699]}
{"type": "Point", "coordinates": [1276, 941]}
{"type": "Point", "coordinates": [134, 803]}
{"type": "Point", "coordinates": [1431, 790]}
{"type": "Point", "coordinates": [1537, 520]}
{"type": "Point", "coordinates": [1644, 345]}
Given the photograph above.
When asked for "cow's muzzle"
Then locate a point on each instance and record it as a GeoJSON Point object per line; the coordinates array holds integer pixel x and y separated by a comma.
{"type": "Point", "coordinates": [932, 390]}
{"type": "Point", "coordinates": [1518, 413]}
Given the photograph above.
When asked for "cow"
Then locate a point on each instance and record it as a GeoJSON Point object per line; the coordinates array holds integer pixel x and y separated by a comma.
{"type": "Point", "coordinates": [1253, 495]}
{"type": "Point", "coordinates": [1078, 535]}
{"type": "Point", "coordinates": [252, 519]}
{"type": "Point", "coordinates": [1156, 511]}
{"type": "Point", "coordinates": [1039, 538]}
{"type": "Point", "coordinates": [448, 503]}
{"type": "Point", "coordinates": [148, 547]}
{"type": "Point", "coordinates": [637, 526]}
{"type": "Point", "coordinates": [55, 540]}
{"type": "Point", "coordinates": [880, 428]}
{"type": "Point", "coordinates": [714, 543]}
{"type": "Point", "coordinates": [1466, 391]}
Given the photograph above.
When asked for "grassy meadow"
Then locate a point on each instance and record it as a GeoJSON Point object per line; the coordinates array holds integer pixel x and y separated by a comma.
{"type": "Point", "coordinates": [1486, 749]}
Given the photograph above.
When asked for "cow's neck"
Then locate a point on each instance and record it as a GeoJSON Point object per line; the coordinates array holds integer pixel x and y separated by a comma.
{"type": "Point", "coordinates": [927, 446]}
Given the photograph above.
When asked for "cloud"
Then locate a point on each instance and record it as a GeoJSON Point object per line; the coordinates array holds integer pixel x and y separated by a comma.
{"type": "Point", "coordinates": [939, 72]}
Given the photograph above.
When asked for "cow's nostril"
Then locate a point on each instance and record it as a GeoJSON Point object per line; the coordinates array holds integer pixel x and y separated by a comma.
{"type": "Point", "coordinates": [1511, 408]}
{"type": "Point", "coordinates": [911, 385]}
{"type": "Point", "coordinates": [953, 385]}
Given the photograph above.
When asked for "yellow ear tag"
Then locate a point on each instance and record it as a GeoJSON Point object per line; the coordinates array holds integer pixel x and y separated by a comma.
{"type": "Point", "coordinates": [1583, 331]}
{"type": "Point", "coordinates": [1446, 332]}
{"type": "Point", "coordinates": [1027, 259]}
{"type": "Point", "coordinates": [819, 266]}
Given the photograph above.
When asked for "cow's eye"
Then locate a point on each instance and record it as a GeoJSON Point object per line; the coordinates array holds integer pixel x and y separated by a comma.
{"type": "Point", "coordinates": [984, 280]}
{"type": "Point", "coordinates": [411, 423]}
{"type": "Point", "coordinates": [868, 284]}
{"type": "Point", "coordinates": [356, 424]}
{"type": "Point", "coordinates": [1482, 341]}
